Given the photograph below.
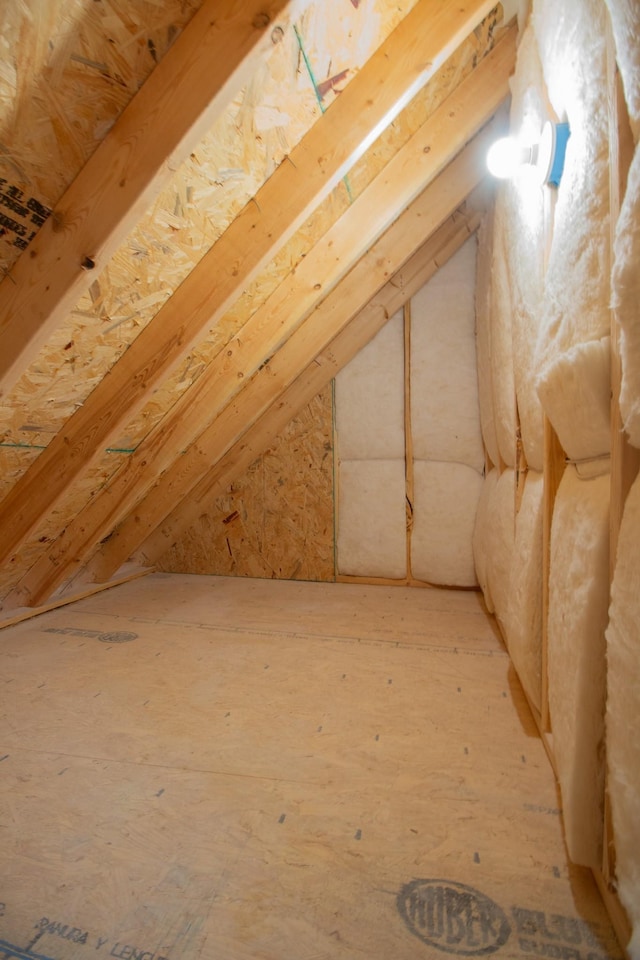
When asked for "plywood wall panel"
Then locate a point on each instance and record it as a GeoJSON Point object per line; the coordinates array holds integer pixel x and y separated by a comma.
{"type": "Point", "coordinates": [277, 519]}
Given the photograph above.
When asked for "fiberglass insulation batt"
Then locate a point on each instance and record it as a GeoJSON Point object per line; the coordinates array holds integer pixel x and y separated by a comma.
{"type": "Point", "coordinates": [445, 415]}
{"type": "Point", "coordinates": [482, 533]}
{"type": "Point", "coordinates": [446, 442]}
{"type": "Point", "coordinates": [523, 619]}
{"type": "Point", "coordinates": [372, 519]}
{"type": "Point", "coordinates": [370, 445]}
{"type": "Point", "coordinates": [578, 612]}
{"type": "Point", "coordinates": [445, 423]}
{"type": "Point", "coordinates": [623, 712]}
{"type": "Point", "coordinates": [445, 501]}
{"type": "Point", "coordinates": [626, 300]}
{"type": "Point", "coordinates": [494, 540]}
{"type": "Point", "coordinates": [574, 347]}
{"type": "Point", "coordinates": [572, 41]}
{"type": "Point", "coordinates": [520, 246]}
{"type": "Point", "coordinates": [625, 21]}
{"type": "Point", "coordinates": [370, 398]}
{"type": "Point", "coordinates": [575, 391]}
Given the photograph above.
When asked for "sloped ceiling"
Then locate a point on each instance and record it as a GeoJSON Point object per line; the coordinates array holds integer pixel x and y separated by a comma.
{"type": "Point", "coordinates": [205, 214]}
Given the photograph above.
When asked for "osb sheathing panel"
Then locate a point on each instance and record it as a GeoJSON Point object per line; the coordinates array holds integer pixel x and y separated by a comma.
{"type": "Point", "coordinates": [242, 554]}
{"type": "Point", "coordinates": [321, 220]}
{"type": "Point", "coordinates": [205, 194]}
{"type": "Point", "coordinates": [67, 70]}
{"type": "Point", "coordinates": [317, 224]}
{"type": "Point", "coordinates": [250, 139]}
{"type": "Point", "coordinates": [207, 191]}
{"type": "Point", "coordinates": [277, 519]}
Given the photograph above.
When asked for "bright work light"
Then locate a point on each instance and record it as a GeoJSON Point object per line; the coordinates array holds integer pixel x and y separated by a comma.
{"type": "Point", "coordinates": [508, 155]}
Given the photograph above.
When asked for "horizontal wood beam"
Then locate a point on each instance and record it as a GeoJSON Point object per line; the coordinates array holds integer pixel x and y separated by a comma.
{"type": "Point", "coordinates": [401, 66]}
{"type": "Point", "coordinates": [418, 271]}
{"type": "Point", "coordinates": [198, 77]}
{"type": "Point", "coordinates": [330, 337]}
{"type": "Point", "coordinates": [417, 163]}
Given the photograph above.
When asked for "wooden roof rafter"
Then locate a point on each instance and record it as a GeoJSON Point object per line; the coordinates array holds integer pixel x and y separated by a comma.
{"type": "Point", "coordinates": [400, 67]}
{"type": "Point", "coordinates": [207, 65]}
{"type": "Point", "coordinates": [440, 139]}
{"type": "Point", "coordinates": [441, 245]}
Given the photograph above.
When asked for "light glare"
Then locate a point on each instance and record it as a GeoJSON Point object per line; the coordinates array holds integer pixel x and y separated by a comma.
{"type": "Point", "coordinates": [504, 157]}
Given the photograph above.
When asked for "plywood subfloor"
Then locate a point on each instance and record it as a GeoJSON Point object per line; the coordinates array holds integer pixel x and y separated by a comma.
{"type": "Point", "coordinates": [200, 767]}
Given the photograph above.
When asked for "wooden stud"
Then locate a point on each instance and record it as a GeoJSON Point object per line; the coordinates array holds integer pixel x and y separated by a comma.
{"type": "Point", "coordinates": [370, 102]}
{"type": "Point", "coordinates": [553, 470]}
{"type": "Point", "coordinates": [408, 434]}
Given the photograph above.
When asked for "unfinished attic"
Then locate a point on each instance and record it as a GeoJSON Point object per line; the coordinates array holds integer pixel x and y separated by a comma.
{"type": "Point", "coordinates": [319, 493]}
